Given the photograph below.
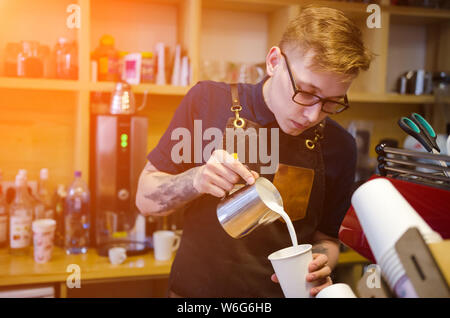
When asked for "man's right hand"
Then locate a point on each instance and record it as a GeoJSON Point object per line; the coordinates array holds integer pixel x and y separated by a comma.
{"type": "Point", "coordinates": [219, 175]}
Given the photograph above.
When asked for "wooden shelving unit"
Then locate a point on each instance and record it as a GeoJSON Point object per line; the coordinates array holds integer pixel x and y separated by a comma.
{"type": "Point", "coordinates": [232, 30]}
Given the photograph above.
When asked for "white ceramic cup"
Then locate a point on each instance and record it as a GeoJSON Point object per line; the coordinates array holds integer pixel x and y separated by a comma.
{"type": "Point", "coordinates": [117, 255]}
{"type": "Point", "coordinates": [164, 244]}
{"type": "Point", "coordinates": [291, 267]}
{"type": "Point", "coordinates": [336, 291]}
{"type": "Point", "coordinates": [43, 235]}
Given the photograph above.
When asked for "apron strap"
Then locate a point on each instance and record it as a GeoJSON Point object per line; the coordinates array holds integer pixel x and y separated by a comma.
{"type": "Point", "coordinates": [236, 106]}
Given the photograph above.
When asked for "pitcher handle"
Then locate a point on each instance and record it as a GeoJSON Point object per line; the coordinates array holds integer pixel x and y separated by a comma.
{"type": "Point", "coordinates": [144, 101]}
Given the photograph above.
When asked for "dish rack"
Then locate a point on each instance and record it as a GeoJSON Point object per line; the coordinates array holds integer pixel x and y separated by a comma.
{"type": "Point", "coordinates": [414, 166]}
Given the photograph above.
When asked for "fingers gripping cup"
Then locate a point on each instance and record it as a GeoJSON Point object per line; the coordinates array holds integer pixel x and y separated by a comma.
{"type": "Point", "coordinates": [291, 267]}
{"type": "Point", "coordinates": [43, 235]}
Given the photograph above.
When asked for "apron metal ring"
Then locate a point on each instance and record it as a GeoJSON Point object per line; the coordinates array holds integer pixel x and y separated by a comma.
{"type": "Point", "coordinates": [239, 123]}
{"type": "Point", "coordinates": [236, 108]}
{"type": "Point", "coordinates": [310, 144]}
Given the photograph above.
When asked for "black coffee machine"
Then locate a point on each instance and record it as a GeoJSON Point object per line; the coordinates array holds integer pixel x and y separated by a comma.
{"type": "Point", "coordinates": [118, 155]}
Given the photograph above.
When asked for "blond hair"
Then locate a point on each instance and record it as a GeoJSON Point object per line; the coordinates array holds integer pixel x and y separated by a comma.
{"type": "Point", "coordinates": [333, 38]}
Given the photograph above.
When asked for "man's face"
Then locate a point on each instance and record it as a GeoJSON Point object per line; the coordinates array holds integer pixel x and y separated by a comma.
{"type": "Point", "coordinates": [293, 118]}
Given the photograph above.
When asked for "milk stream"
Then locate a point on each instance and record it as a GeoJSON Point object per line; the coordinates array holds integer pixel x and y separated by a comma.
{"type": "Point", "coordinates": [274, 206]}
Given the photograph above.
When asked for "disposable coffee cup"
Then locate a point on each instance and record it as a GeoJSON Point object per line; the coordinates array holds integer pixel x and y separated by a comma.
{"type": "Point", "coordinates": [164, 244]}
{"type": "Point", "coordinates": [117, 255]}
{"type": "Point", "coordinates": [43, 235]}
{"type": "Point", "coordinates": [336, 291]}
{"type": "Point", "coordinates": [291, 267]}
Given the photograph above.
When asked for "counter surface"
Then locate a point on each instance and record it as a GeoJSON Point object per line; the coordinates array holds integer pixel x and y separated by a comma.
{"type": "Point", "coordinates": [21, 270]}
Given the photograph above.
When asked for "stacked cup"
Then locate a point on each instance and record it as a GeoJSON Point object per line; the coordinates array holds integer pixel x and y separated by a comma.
{"type": "Point", "coordinates": [385, 216]}
{"type": "Point", "coordinates": [43, 234]}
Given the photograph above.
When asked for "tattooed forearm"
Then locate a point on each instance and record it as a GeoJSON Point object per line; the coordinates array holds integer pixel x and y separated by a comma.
{"type": "Point", "coordinates": [320, 248]}
{"type": "Point", "coordinates": [172, 191]}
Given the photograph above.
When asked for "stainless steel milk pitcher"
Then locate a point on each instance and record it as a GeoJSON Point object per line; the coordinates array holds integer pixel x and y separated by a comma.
{"type": "Point", "coordinates": [247, 208]}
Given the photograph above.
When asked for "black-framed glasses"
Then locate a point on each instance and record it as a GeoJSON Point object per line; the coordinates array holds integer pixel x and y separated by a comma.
{"type": "Point", "coordinates": [303, 98]}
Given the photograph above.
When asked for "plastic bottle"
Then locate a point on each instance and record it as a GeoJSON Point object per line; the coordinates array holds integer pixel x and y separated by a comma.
{"type": "Point", "coordinates": [59, 199]}
{"type": "Point", "coordinates": [3, 216]}
{"type": "Point", "coordinates": [77, 217]}
{"type": "Point", "coordinates": [107, 58]}
{"type": "Point", "coordinates": [21, 215]}
{"type": "Point", "coordinates": [44, 195]}
{"type": "Point", "coordinates": [37, 206]}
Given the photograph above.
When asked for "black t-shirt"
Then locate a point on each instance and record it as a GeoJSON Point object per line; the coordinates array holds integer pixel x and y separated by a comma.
{"type": "Point", "coordinates": [207, 105]}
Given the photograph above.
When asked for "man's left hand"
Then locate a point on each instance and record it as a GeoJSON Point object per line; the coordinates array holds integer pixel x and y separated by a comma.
{"type": "Point", "coordinates": [319, 274]}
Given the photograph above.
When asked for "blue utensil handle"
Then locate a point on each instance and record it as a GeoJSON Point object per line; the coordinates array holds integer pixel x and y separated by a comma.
{"type": "Point", "coordinates": [426, 129]}
{"type": "Point", "coordinates": [412, 129]}
{"type": "Point", "coordinates": [422, 122]}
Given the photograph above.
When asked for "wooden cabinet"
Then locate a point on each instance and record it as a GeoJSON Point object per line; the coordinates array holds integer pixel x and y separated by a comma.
{"type": "Point", "coordinates": [46, 121]}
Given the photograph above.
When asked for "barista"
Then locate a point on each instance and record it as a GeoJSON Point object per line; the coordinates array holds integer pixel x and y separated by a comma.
{"type": "Point", "coordinates": [308, 76]}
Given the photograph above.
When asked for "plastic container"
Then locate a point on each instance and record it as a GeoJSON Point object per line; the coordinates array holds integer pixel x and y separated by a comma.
{"type": "Point", "coordinates": [148, 72]}
{"type": "Point", "coordinates": [107, 58]}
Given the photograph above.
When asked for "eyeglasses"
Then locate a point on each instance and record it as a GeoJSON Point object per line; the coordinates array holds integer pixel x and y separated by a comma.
{"type": "Point", "coordinates": [303, 98]}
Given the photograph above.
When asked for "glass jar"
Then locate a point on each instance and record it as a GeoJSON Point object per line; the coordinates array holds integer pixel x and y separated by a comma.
{"type": "Point", "coordinates": [12, 51]}
{"type": "Point", "coordinates": [45, 56]}
{"type": "Point", "coordinates": [66, 59]}
{"type": "Point", "coordinates": [29, 64]}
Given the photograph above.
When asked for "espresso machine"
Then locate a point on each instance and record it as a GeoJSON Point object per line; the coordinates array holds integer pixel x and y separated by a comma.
{"type": "Point", "coordinates": [118, 155]}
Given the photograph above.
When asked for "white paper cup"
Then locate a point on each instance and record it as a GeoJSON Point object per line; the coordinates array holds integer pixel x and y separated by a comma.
{"type": "Point", "coordinates": [291, 267]}
{"type": "Point", "coordinates": [336, 291]}
{"type": "Point", "coordinates": [117, 255]}
{"type": "Point", "coordinates": [43, 235]}
{"type": "Point", "coordinates": [164, 244]}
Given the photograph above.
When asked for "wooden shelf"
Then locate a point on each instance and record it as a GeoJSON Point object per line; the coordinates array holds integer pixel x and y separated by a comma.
{"type": "Point", "coordinates": [417, 15]}
{"type": "Point", "coordinates": [390, 98]}
{"type": "Point", "coordinates": [263, 6]}
{"type": "Point", "coordinates": [39, 84]}
{"type": "Point", "coordinates": [404, 12]}
{"type": "Point", "coordinates": [141, 88]}
{"type": "Point", "coordinates": [70, 85]}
